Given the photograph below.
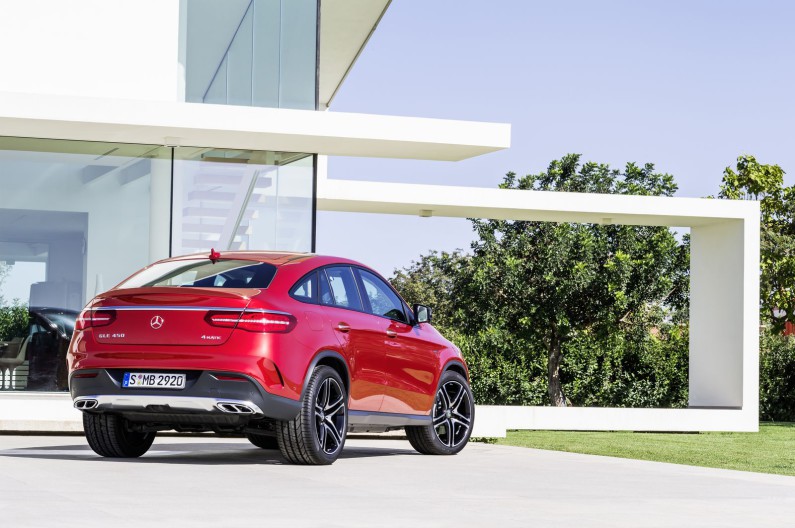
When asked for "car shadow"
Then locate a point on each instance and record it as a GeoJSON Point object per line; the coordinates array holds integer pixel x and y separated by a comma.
{"type": "Point", "coordinates": [200, 453]}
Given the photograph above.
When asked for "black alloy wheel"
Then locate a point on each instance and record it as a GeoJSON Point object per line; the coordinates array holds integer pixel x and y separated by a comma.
{"type": "Point", "coordinates": [317, 435]}
{"type": "Point", "coordinates": [330, 416]}
{"type": "Point", "coordinates": [452, 418]}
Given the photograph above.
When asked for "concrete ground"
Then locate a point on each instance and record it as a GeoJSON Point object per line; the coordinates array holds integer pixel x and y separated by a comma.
{"type": "Point", "coordinates": [219, 482]}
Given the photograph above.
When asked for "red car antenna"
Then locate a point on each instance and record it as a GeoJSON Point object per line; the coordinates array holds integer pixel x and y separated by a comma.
{"type": "Point", "coordinates": [214, 255]}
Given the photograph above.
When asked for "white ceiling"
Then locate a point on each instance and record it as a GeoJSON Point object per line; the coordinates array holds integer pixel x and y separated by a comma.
{"type": "Point", "coordinates": [345, 27]}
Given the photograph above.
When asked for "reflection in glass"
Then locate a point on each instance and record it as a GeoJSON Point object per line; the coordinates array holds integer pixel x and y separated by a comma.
{"type": "Point", "coordinates": [252, 53]}
{"type": "Point", "coordinates": [74, 219]}
{"type": "Point", "coordinates": [77, 218]}
{"type": "Point", "coordinates": [237, 200]}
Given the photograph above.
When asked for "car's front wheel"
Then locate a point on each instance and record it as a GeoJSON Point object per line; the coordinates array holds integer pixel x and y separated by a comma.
{"type": "Point", "coordinates": [109, 435]}
{"type": "Point", "coordinates": [453, 416]}
{"type": "Point", "coordinates": [316, 436]}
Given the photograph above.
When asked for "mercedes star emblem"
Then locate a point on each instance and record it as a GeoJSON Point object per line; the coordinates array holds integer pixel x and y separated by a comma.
{"type": "Point", "coordinates": [156, 322]}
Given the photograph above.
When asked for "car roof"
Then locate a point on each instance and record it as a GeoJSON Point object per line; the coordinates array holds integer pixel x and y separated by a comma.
{"type": "Point", "coordinates": [277, 258]}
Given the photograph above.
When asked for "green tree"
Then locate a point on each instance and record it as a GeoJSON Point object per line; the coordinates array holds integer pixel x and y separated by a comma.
{"type": "Point", "coordinates": [754, 181]}
{"type": "Point", "coordinates": [432, 281]}
{"type": "Point", "coordinates": [544, 288]}
{"type": "Point", "coordinates": [550, 282]}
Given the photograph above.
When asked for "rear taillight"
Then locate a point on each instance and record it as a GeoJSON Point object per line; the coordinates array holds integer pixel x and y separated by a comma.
{"type": "Point", "coordinates": [267, 322]}
{"type": "Point", "coordinates": [92, 318]}
{"type": "Point", "coordinates": [222, 319]}
{"type": "Point", "coordinates": [275, 323]}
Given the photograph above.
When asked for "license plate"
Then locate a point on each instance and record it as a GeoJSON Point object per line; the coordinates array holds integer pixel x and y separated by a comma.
{"type": "Point", "coordinates": [155, 380]}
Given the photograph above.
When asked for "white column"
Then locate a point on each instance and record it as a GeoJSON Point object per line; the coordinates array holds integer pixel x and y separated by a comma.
{"type": "Point", "coordinates": [724, 315]}
{"type": "Point", "coordinates": [159, 209]}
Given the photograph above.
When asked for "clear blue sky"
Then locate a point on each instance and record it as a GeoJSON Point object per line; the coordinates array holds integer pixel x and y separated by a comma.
{"type": "Point", "coordinates": [686, 85]}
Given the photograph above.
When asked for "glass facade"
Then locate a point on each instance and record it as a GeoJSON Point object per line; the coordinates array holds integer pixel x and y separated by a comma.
{"type": "Point", "coordinates": [239, 199]}
{"type": "Point", "coordinates": [251, 52]}
{"type": "Point", "coordinates": [76, 218]}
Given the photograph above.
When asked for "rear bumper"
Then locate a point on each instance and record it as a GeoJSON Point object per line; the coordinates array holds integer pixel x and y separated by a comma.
{"type": "Point", "coordinates": [171, 404]}
{"type": "Point", "coordinates": [206, 392]}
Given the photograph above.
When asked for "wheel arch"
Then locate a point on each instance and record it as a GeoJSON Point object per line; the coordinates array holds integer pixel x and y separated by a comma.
{"type": "Point", "coordinates": [456, 366]}
{"type": "Point", "coordinates": [331, 359]}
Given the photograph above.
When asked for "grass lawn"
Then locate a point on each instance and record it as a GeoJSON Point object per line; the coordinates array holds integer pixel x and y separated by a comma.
{"type": "Point", "coordinates": [771, 450]}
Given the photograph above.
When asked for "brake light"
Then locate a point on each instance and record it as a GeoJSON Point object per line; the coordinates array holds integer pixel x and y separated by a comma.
{"type": "Point", "coordinates": [266, 322]}
{"type": "Point", "coordinates": [274, 323]}
{"type": "Point", "coordinates": [222, 319]}
{"type": "Point", "coordinates": [92, 318]}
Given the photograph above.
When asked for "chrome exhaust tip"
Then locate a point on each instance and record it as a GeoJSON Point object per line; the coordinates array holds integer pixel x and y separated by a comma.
{"type": "Point", "coordinates": [234, 408]}
{"type": "Point", "coordinates": [86, 404]}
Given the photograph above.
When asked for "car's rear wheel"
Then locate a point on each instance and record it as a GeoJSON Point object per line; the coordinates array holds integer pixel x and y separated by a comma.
{"type": "Point", "coordinates": [109, 435]}
{"type": "Point", "coordinates": [263, 441]}
{"type": "Point", "coordinates": [316, 436]}
{"type": "Point", "coordinates": [453, 416]}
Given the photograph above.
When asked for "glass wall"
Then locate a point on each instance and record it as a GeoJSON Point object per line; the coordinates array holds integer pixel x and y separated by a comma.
{"type": "Point", "coordinates": [251, 52]}
{"type": "Point", "coordinates": [76, 218]}
{"type": "Point", "coordinates": [241, 199]}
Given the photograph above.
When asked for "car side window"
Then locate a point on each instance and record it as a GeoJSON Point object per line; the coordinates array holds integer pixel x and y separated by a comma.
{"type": "Point", "coordinates": [344, 291]}
{"type": "Point", "coordinates": [324, 289]}
{"type": "Point", "coordinates": [305, 289]}
{"type": "Point", "coordinates": [383, 301]}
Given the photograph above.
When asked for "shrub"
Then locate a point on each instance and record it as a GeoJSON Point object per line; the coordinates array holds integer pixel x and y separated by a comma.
{"type": "Point", "coordinates": [13, 321]}
{"type": "Point", "coordinates": [777, 377]}
{"type": "Point", "coordinates": [499, 369]}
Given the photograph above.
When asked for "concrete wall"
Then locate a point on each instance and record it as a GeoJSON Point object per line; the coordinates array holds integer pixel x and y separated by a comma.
{"type": "Point", "coordinates": [122, 49]}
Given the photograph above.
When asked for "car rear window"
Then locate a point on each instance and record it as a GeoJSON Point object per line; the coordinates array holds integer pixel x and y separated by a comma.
{"type": "Point", "coordinates": [204, 274]}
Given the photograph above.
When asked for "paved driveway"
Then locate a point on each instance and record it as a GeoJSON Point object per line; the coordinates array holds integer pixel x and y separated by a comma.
{"type": "Point", "coordinates": [219, 482]}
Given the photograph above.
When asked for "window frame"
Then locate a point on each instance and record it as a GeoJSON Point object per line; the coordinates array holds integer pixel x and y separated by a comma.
{"type": "Point", "coordinates": [355, 286]}
{"type": "Point", "coordinates": [315, 297]}
{"type": "Point", "coordinates": [407, 313]}
{"type": "Point", "coordinates": [321, 274]}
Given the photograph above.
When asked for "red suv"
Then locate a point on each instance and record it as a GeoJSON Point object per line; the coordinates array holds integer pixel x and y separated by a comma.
{"type": "Point", "coordinates": [293, 350]}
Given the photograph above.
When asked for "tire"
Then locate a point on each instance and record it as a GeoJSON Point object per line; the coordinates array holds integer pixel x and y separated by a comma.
{"type": "Point", "coordinates": [263, 441]}
{"type": "Point", "coordinates": [109, 436]}
{"type": "Point", "coordinates": [453, 416]}
{"type": "Point", "coordinates": [317, 435]}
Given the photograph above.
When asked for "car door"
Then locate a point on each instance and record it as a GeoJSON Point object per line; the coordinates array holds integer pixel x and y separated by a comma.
{"type": "Point", "coordinates": [359, 333]}
{"type": "Point", "coordinates": [412, 354]}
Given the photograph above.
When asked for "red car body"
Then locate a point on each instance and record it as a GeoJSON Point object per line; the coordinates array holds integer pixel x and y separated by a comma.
{"type": "Point", "coordinates": [391, 368]}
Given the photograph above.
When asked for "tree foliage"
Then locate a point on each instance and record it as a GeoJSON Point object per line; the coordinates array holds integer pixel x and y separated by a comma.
{"type": "Point", "coordinates": [552, 282]}
{"type": "Point", "coordinates": [13, 321]}
{"type": "Point", "coordinates": [777, 377]}
{"type": "Point", "coordinates": [752, 180]}
{"type": "Point", "coordinates": [533, 293]}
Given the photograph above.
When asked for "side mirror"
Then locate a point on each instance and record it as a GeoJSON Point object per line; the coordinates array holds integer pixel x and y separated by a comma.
{"type": "Point", "coordinates": [422, 313]}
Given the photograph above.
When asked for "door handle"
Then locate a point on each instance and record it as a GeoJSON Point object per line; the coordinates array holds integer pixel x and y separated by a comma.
{"type": "Point", "coordinates": [343, 327]}
{"type": "Point", "coordinates": [391, 333]}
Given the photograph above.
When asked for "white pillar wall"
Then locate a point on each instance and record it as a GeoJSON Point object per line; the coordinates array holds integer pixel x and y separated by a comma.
{"type": "Point", "coordinates": [159, 209]}
{"type": "Point", "coordinates": [724, 314]}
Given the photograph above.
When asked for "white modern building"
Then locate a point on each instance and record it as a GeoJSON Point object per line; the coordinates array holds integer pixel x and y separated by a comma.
{"type": "Point", "coordinates": [131, 130]}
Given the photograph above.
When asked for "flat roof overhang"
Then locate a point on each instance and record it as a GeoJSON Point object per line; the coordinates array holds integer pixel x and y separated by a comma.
{"type": "Point", "coordinates": [513, 204]}
{"type": "Point", "coordinates": [236, 127]}
{"type": "Point", "coordinates": [345, 28]}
